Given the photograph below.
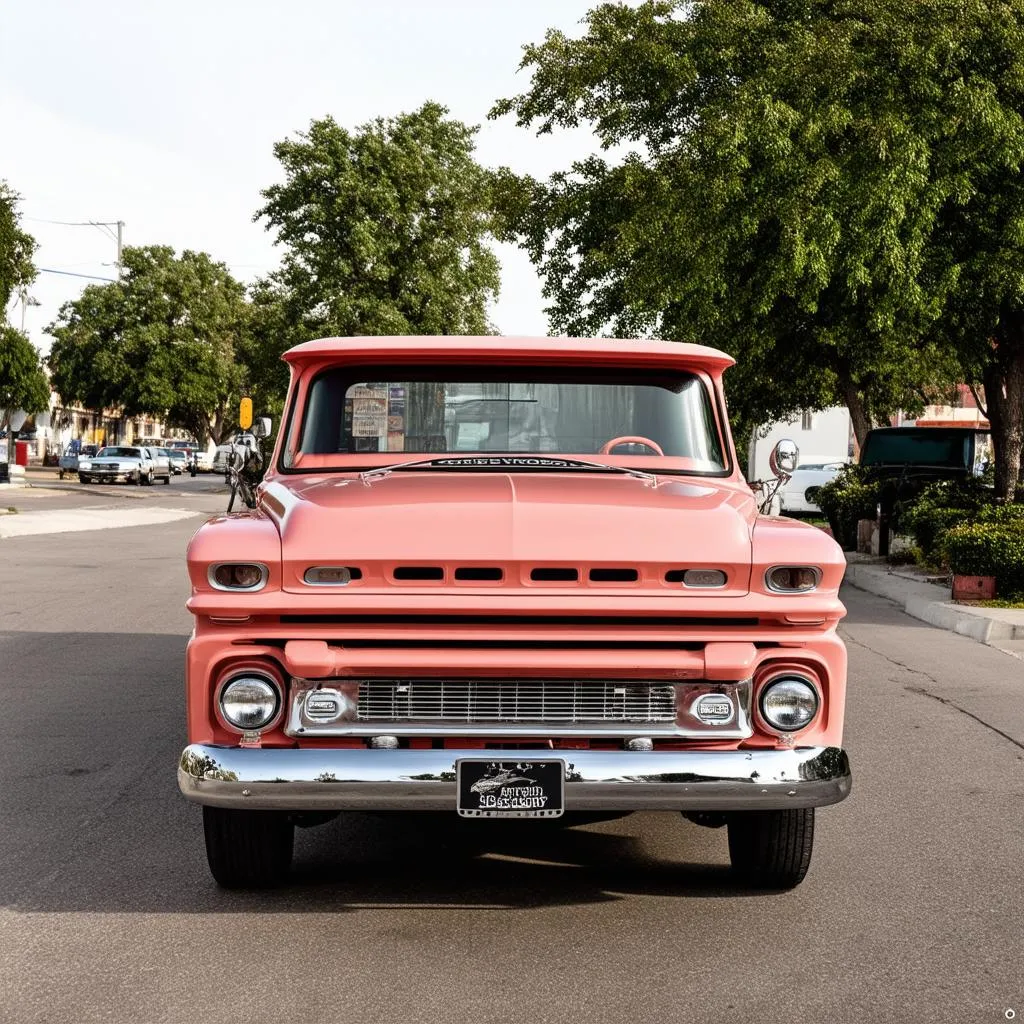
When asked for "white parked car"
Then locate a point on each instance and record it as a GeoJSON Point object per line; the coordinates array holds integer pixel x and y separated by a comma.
{"type": "Point", "coordinates": [800, 491]}
{"type": "Point", "coordinates": [132, 464]}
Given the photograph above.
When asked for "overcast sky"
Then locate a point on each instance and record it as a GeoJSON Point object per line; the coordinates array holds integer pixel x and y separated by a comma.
{"type": "Point", "coordinates": [163, 115]}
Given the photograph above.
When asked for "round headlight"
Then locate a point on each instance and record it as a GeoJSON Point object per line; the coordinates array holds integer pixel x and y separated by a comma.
{"type": "Point", "coordinates": [789, 703]}
{"type": "Point", "coordinates": [85, 465]}
{"type": "Point", "coordinates": [249, 702]}
{"type": "Point", "coordinates": [792, 579]}
{"type": "Point", "coordinates": [238, 576]}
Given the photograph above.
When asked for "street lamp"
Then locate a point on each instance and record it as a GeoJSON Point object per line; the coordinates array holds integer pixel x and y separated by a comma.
{"type": "Point", "coordinates": [14, 424]}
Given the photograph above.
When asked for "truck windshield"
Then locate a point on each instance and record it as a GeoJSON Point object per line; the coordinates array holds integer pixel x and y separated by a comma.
{"type": "Point", "coordinates": [350, 411]}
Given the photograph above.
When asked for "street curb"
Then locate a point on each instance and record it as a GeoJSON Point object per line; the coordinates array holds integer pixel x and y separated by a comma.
{"type": "Point", "coordinates": [997, 627]}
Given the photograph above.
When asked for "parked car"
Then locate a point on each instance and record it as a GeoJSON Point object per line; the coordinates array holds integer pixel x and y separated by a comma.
{"type": "Point", "coordinates": [162, 465]}
{"type": "Point", "coordinates": [68, 462]}
{"type": "Point", "coordinates": [133, 465]}
{"type": "Point", "coordinates": [573, 607]}
{"type": "Point", "coordinates": [800, 493]}
{"type": "Point", "coordinates": [178, 458]}
{"type": "Point", "coordinates": [221, 458]}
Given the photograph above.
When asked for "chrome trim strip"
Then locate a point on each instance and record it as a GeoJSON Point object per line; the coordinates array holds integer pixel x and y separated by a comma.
{"type": "Point", "coordinates": [361, 779]}
{"type": "Point", "coordinates": [264, 576]}
{"type": "Point", "coordinates": [686, 725]}
{"type": "Point", "coordinates": [794, 565]}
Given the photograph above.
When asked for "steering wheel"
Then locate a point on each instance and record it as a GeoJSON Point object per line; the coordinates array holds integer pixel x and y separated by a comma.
{"type": "Point", "coordinates": [606, 448]}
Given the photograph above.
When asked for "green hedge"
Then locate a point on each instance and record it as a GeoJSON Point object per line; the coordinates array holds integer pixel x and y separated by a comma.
{"type": "Point", "coordinates": [994, 548]}
{"type": "Point", "coordinates": [946, 504]}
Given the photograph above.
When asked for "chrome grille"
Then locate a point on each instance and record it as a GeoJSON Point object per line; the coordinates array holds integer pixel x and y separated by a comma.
{"type": "Point", "coordinates": [515, 701]}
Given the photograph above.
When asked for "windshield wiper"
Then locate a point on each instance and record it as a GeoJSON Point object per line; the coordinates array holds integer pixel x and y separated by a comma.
{"type": "Point", "coordinates": [507, 462]}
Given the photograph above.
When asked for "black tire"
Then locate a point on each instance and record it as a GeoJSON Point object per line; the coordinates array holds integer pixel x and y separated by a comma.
{"type": "Point", "coordinates": [771, 849]}
{"type": "Point", "coordinates": [167, 480]}
{"type": "Point", "coordinates": [83, 479]}
{"type": "Point", "coordinates": [60, 474]}
{"type": "Point", "coordinates": [248, 849]}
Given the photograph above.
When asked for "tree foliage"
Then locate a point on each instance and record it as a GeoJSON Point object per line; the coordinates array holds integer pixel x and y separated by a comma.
{"type": "Point", "coordinates": [385, 231]}
{"type": "Point", "coordinates": [829, 189]}
{"type": "Point", "coordinates": [23, 384]}
{"type": "Point", "coordinates": [163, 340]}
{"type": "Point", "coordinates": [16, 248]}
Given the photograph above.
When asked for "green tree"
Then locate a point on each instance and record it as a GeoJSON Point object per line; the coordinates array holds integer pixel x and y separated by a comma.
{"type": "Point", "coordinates": [163, 340]}
{"type": "Point", "coordinates": [16, 248]}
{"type": "Point", "coordinates": [385, 231]}
{"type": "Point", "coordinates": [23, 384]}
{"type": "Point", "coordinates": [829, 189]}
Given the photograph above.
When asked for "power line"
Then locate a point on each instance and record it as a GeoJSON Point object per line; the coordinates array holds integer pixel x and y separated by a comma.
{"type": "Point", "coordinates": [67, 273]}
{"type": "Point", "coordinates": [72, 223]}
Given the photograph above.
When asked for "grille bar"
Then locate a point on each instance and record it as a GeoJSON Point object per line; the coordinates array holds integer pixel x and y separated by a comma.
{"type": "Point", "coordinates": [515, 701]}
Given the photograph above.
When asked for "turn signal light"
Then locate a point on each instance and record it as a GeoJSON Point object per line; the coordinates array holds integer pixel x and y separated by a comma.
{"type": "Point", "coordinates": [238, 576]}
{"type": "Point", "coordinates": [704, 578]}
{"type": "Point", "coordinates": [792, 579]}
{"type": "Point", "coordinates": [331, 575]}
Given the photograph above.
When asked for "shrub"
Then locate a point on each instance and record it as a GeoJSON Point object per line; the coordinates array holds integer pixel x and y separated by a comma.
{"type": "Point", "coordinates": [846, 500]}
{"type": "Point", "coordinates": [989, 549]}
{"type": "Point", "coordinates": [938, 508]}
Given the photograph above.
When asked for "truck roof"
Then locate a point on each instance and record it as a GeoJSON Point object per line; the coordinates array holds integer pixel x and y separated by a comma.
{"type": "Point", "coordinates": [512, 350]}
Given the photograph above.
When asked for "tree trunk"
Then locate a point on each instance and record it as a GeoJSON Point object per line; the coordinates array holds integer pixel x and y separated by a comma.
{"type": "Point", "coordinates": [1004, 397]}
{"type": "Point", "coordinates": [859, 418]}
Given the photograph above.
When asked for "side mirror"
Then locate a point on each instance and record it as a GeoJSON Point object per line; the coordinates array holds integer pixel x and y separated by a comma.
{"type": "Point", "coordinates": [784, 458]}
{"type": "Point", "coordinates": [263, 427]}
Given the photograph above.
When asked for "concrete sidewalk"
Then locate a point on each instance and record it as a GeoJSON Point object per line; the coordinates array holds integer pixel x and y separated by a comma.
{"type": "Point", "coordinates": [1002, 628]}
{"type": "Point", "coordinates": [74, 520]}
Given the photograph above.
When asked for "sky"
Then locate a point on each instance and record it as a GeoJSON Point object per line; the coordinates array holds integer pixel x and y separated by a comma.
{"type": "Point", "coordinates": [163, 116]}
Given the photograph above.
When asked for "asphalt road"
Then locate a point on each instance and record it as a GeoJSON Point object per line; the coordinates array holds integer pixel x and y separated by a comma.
{"type": "Point", "coordinates": [912, 910]}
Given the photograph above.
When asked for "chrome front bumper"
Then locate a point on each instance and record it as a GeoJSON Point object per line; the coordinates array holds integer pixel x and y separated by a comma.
{"type": "Point", "coordinates": [596, 780]}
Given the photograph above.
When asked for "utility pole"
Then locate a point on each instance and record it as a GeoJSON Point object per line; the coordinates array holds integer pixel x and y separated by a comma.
{"type": "Point", "coordinates": [120, 235]}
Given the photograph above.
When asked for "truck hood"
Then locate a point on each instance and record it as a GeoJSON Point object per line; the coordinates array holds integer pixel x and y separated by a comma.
{"type": "Point", "coordinates": [517, 522]}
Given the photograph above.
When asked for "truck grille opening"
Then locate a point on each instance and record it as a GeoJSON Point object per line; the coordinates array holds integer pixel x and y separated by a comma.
{"type": "Point", "coordinates": [470, 572]}
{"type": "Point", "coordinates": [515, 701]}
{"type": "Point", "coordinates": [554, 575]}
{"type": "Point", "coordinates": [614, 575]}
{"type": "Point", "coordinates": [418, 572]}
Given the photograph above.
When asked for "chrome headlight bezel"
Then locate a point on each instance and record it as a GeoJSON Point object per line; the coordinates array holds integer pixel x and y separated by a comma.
{"type": "Point", "coordinates": [275, 696]}
{"type": "Point", "coordinates": [779, 679]}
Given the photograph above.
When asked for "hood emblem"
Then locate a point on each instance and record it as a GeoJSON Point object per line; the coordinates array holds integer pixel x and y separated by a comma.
{"type": "Point", "coordinates": [713, 708]}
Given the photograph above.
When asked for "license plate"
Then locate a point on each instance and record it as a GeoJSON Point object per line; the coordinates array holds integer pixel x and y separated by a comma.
{"type": "Point", "coordinates": [510, 789]}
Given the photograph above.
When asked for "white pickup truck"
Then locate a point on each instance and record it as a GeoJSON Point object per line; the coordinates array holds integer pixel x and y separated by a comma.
{"type": "Point", "coordinates": [136, 465]}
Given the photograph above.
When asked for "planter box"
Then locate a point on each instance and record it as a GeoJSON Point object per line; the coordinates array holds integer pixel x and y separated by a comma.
{"type": "Point", "coordinates": [974, 588]}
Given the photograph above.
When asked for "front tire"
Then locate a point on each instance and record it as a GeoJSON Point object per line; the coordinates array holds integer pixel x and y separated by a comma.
{"type": "Point", "coordinates": [771, 849]}
{"type": "Point", "coordinates": [83, 479]}
{"type": "Point", "coordinates": [248, 849]}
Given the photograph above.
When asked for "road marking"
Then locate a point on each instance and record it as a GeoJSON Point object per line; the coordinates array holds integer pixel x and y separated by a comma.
{"type": "Point", "coordinates": [74, 520]}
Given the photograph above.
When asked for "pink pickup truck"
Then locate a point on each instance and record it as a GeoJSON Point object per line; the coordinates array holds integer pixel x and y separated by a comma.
{"type": "Point", "coordinates": [511, 578]}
